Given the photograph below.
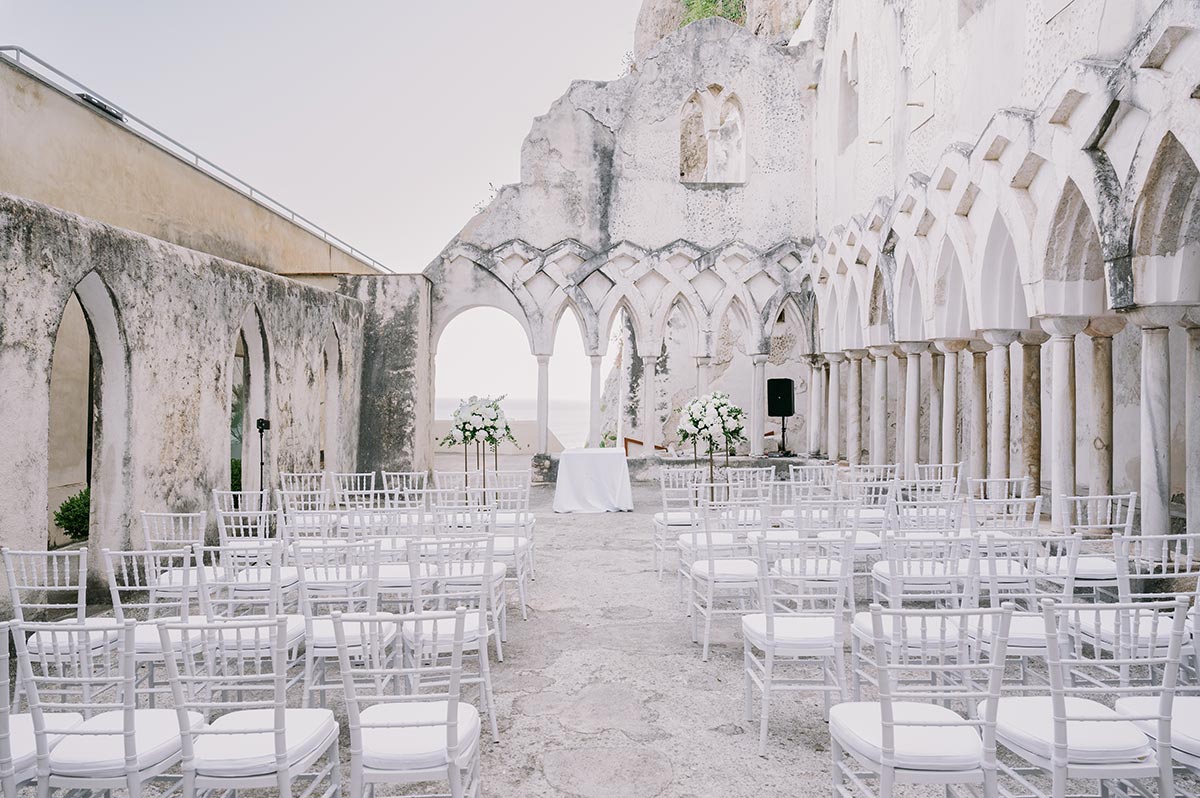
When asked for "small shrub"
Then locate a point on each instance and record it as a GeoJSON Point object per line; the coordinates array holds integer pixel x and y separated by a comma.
{"type": "Point", "coordinates": [732, 10]}
{"type": "Point", "coordinates": [72, 515]}
{"type": "Point", "coordinates": [235, 474]}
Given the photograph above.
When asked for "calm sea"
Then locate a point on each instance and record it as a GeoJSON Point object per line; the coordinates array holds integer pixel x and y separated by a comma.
{"type": "Point", "coordinates": [568, 418]}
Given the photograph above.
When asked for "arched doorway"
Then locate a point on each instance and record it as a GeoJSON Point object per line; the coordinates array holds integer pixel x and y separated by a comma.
{"type": "Point", "coordinates": [249, 448]}
{"type": "Point", "coordinates": [329, 388]}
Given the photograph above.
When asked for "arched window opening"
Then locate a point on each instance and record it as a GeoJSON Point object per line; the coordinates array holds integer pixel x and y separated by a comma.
{"type": "Point", "coordinates": [329, 390]}
{"type": "Point", "coordinates": [620, 400]}
{"type": "Point", "coordinates": [570, 384]}
{"type": "Point", "coordinates": [712, 138]}
{"type": "Point", "coordinates": [249, 449]}
{"type": "Point", "coordinates": [73, 409]}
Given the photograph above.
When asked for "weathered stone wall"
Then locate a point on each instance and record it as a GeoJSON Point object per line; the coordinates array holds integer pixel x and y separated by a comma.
{"type": "Point", "coordinates": [396, 432]}
{"type": "Point", "coordinates": [61, 151]}
{"type": "Point", "coordinates": [166, 321]}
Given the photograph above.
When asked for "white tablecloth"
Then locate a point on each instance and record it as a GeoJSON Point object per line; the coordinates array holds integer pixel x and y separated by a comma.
{"type": "Point", "coordinates": [592, 481]}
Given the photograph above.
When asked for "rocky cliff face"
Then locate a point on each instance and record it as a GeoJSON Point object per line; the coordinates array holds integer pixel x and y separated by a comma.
{"type": "Point", "coordinates": [774, 20]}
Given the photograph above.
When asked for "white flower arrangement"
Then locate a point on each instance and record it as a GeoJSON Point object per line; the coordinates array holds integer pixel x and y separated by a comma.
{"type": "Point", "coordinates": [712, 421]}
{"type": "Point", "coordinates": [479, 419]}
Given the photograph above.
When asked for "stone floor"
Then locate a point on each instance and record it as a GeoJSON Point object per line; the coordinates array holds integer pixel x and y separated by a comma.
{"type": "Point", "coordinates": [602, 693]}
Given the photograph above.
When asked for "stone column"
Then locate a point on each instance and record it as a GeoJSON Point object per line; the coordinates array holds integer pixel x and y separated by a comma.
{"type": "Point", "coordinates": [1029, 424]}
{"type": "Point", "coordinates": [950, 349]}
{"type": "Point", "coordinates": [935, 405]}
{"type": "Point", "coordinates": [879, 395]}
{"type": "Point", "coordinates": [901, 403]}
{"type": "Point", "coordinates": [1155, 493]}
{"type": "Point", "coordinates": [543, 404]}
{"type": "Point", "coordinates": [702, 375]}
{"type": "Point", "coordinates": [758, 404]}
{"type": "Point", "coordinates": [1000, 368]}
{"type": "Point", "coordinates": [854, 417]}
{"type": "Point", "coordinates": [1100, 466]}
{"type": "Point", "coordinates": [815, 398]}
{"type": "Point", "coordinates": [977, 448]}
{"type": "Point", "coordinates": [650, 424]}
{"type": "Point", "coordinates": [834, 433]}
{"type": "Point", "coordinates": [1191, 411]}
{"type": "Point", "coordinates": [1063, 330]}
{"type": "Point", "coordinates": [595, 420]}
{"type": "Point", "coordinates": [912, 405]}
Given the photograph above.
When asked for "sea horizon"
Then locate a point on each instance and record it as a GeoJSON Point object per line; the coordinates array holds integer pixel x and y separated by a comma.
{"type": "Point", "coordinates": [569, 418]}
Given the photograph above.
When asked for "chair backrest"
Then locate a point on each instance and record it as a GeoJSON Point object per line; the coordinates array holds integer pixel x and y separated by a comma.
{"type": "Point", "coordinates": [451, 572]}
{"type": "Point", "coordinates": [151, 584]}
{"type": "Point", "coordinates": [510, 498]}
{"type": "Point", "coordinates": [85, 667]}
{"type": "Point", "coordinates": [171, 530]}
{"type": "Point", "coordinates": [925, 515]}
{"type": "Point", "coordinates": [237, 527]}
{"type": "Point", "coordinates": [677, 486]}
{"type": "Point", "coordinates": [872, 472]}
{"type": "Point", "coordinates": [45, 584]}
{"type": "Point", "coordinates": [371, 677]}
{"type": "Point", "coordinates": [932, 489]}
{"type": "Point", "coordinates": [302, 501]}
{"type": "Point", "coordinates": [405, 488]}
{"type": "Point", "coordinates": [1011, 515]}
{"type": "Point", "coordinates": [1150, 567]}
{"type": "Point", "coordinates": [722, 528]}
{"type": "Point", "coordinates": [1100, 516]}
{"type": "Point", "coordinates": [337, 577]}
{"type": "Point", "coordinates": [387, 524]}
{"type": "Point", "coordinates": [310, 525]}
{"type": "Point", "coordinates": [365, 499]}
{"type": "Point", "coordinates": [216, 677]}
{"type": "Point", "coordinates": [469, 517]}
{"type": "Point", "coordinates": [868, 493]}
{"type": "Point", "coordinates": [805, 577]}
{"type": "Point", "coordinates": [999, 487]}
{"type": "Point", "coordinates": [823, 478]}
{"type": "Point", "coordinates": [511, 478]}
{"type": "Point", "coordinates": [812, 516]}
{"type": "Point", "coordinates": [242, 582]}
{"type": "Point", "coordinates": [246, 501]}
{"type": "Point", "coordinates": [938, 472]}
{"type": "Point", "coordinates": [933, 657]}
{"type": "Point", "coordinates": [456, 480]}
{"type": "Point", "coordinates": [1011, 568]}
{"type": "Point", "coordinates": [304, 481]}
{"type": "Point", "coordinates": [928, 566]}
{"type": "Point", "coordinates": [751, 478]}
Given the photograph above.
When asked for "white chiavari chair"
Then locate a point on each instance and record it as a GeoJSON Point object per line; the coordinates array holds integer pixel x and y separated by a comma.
{"type": "Point", "coordinates": [133, 583]}
{"type": "Point", "coordinates": [306, 501]}
{"type": "Point", "coordinates": [333, 578]}
{"type": "Point", "coordinates": [92, 669]}
{"type": "Point", "coordinates": [174, 531]}
{"type": "Point", "coordinates": [18, 743]}
{"type": "Point", "coordinates": [935, 720]}
{"type": "Point", "coordinates": [250, 738]}
{"type": "Point", "coordinates": [800, 625]}
{"type": "Point", "coordinates": [722, 572]}
{"type": "Point", "coordinates": [405, 488]}
{"type": "Point", "coordinates": [353, 481]}
{"type": "Point", "coordinates": [447, 573]}
{"type": "Point", "coordinates": [1151, 568]}
{"type": "Point", "coordinates": [999, 488]}
{"type": "Point", "coordinates": [459, 481]}
{"type": "Point", "coordinates": [1004, 515]}
{"type": "Point", "coordinates": [939, 472]}
{"type": "Point", "coordinates": [1096, 519]}
{"type": "Point", "coordinates": [1071, 730]}
{"type": "Point", "coordinates": [230, 501]}
{"type": "Point", "coordinates": [472, 519]}
{"type": "Point", "coordinates": [243, 518]}
{"type": "Point", "coordinates": [305, 481]}
{"type": "Point", "coordinates": [680, 509]}
{"type": "Point", "coordinates": [514, 524]}
{"type": "Point", "coordinates": [406, 721]}
{"type": "Point", "coordinates": [750, 478]}
{"type": "Point", "coordinates": [823, 477]}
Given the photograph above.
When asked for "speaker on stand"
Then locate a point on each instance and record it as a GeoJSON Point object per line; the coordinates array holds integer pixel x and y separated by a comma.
{"type": "Point", "coordinates": [781, 403]}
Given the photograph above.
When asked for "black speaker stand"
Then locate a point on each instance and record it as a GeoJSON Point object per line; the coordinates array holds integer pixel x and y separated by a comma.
{"type": "Point", "coordinates": [783, 449]}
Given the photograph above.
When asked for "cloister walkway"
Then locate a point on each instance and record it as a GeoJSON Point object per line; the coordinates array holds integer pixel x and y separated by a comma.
{"type": "Point", "coordinates": [602, 692]}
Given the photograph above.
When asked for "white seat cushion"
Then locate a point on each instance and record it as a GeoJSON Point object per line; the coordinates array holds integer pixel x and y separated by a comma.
{"type": "Point", "coordinates": [863, 540]}
{"type": "Point", "coordinates": [1027, 722]}
{"type": "Point", "coordinates": [294, 634]}
{"type": "Point", "coordinates": [399, 574]}
{"type": "Point", "coordinates": [322, 635]}
{"type": "Point", "coordinates": [1100, 626]}
{"type": "Point", "coordinates": [677, 518]}
{"type": "Point", "coordinates": [258, 578]}
{"type": "Point", "coordinates": [415, 747]}
{"type": "Point", "coordinates": [920, 572]}
{"type": "Point", "coordinates": [442, 631]}
{"type": "Point", "coordinates": [1185, 719]}
{"type": "Point", "coordinates": [507, 545]}
{"type": "Point", "coordinates": [173, 577]}
{"type": "Point", "coordinates": [821, 568]}
{"type": "Point", "coordinates": [24, 745]}
{"type": "Point", "coordinates": [253, 754]}
{"type": "Point", "coordinates": [521, 518]}
{"type": "Point", "coordinates": [858, 725]}
{"type": "Point", "coordinates": [755, 535]}
{"type": "Point", "coordinates": [1003, 570]}
{"type": "Point", "coordinates": [40, 642]}
{"type": "Point", "coordinates": [468, 573]}
{"type": "Point", "coordinates": [938, 632]}
{"type": "Point", "coordinates": [726, 570]}
{"type": "Point", "coordinates": [794, 635]}
{"type": "Point", "coordinates": [1026, 630]}
{"type": "Point", "coordinates": [156, 739]}
{"type": "Point", "coordinates": [147, 641]}
{"type": "Point", "coordinates": [700, 541]}
{"type": "Point", "coordinates": [1087, 566]}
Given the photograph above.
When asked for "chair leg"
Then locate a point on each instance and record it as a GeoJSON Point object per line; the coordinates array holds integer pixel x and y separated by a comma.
{"type": "Point", "coordinates": [768, 668]}
{"type": "Point", "coordinates": [836, 756]}
{"type": "Point", "coordinates": [133, 785]}
{"type": "Point", "coordinates": [489, 700]}
{"type": "Point", "coordinates": [306, 696]}
{"type": "Point", "coordinates": [747, 664]}
{"type": "Point", "coordinates": [708, 613]}
{"type": "Point", "coordinates": [335, 765]}
{"type": "Point", "coordinates": [855, 663]}
{"type": "Point", "coordinates": [521, 587]}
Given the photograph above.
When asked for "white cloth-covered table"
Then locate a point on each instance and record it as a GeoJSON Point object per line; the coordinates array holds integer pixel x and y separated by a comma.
{"type": "Point", "coordinates": [592, 481]}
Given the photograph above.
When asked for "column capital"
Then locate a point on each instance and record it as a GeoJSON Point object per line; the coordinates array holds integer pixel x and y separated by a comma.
{"type": "Point", "coordinates": [1064, 326]}
{"type": "Point", "coordinates": [913, 347]}
{"type": "Point", "coordinates": [1033, 337]}
{"type": "Point", "coordinates": [816, 359]}
{"type": "Point", "coordinates": [949, 346]}
{"type": "Point", "coordinates": [1191, 319]}
{"type": "Point", "coordinates": [999, 338]}
{"type": "Point", "coordinates": [978, 346]}
{"type": "Point", "coordinates": [856, 354]}
{"type": "Point", "coordinates": [543, 360]}
{"type": "Point", "coordinates": [1104, 326]}
{"type": "Point", "coordinates": [1149, 317]}
{"type": "Point", "coordinates": [759, 359]}
{"type": "Point", "coordinates": [882, 351]}
{"type": "Point", "coordinates": [596, 359]}
{"type": "Point", "coordinates": [703, 360]}
{"type": "Point", "coordinates": [835, 357]}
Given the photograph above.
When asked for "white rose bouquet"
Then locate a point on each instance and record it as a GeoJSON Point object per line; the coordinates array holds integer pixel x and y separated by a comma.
{"type": "Point", "coordinates": [479, 420]}
{"type": "Point", "coordinates": [713, 422]}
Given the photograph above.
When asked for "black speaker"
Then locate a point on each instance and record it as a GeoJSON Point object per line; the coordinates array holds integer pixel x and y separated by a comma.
{"type": "Point", "coordinates": [781, 398]}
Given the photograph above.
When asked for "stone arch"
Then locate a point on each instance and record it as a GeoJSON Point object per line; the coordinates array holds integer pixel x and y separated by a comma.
{"type": "Point", "coordinates": [1166, 229]}
{"type": "Point", "coordinates": [831, 338]}
{"type": "Point", "coordinates": [879, 317]}
{"type": "Point", "coordinates": [331, 402]}
{"type": "Point", "coordinates": [250, 344]}
{"type": "Point", "coordinates": [460, 284]}
{"type": "Point", "coordinates": [109, 411]}
{"type": "Point", "coordinates": [1073, 273]}
{"type": "Point", "coordinates": [712, 137]}
{"type": "Point", "coordinates": [909, 317]}
{"type": "Point", "coordinates": [1000, 297]}
{"type": "Point", "coordinates": [852, 322]}
{"type": "Point", "coordinates": [681, 304]}
{"type": "Point", "coordinates": [569, 308]}
{"type": "Point", "coordinates": [951, 318]}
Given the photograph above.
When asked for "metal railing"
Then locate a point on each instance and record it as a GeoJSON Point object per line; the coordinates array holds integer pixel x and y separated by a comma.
{"type": "Point", "coordinates": [31, 64]}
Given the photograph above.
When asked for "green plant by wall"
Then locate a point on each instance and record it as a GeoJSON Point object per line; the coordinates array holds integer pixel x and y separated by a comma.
{"type": "Point", "coordinates": [235, 474]}
{"type": "Point", "coordinates": [732, 10]}
{"type": "Point", "coordinates": [72, 515]}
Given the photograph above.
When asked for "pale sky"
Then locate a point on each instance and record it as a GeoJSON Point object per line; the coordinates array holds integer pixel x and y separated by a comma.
{"type": "Point", "coordinates": [384, 122]}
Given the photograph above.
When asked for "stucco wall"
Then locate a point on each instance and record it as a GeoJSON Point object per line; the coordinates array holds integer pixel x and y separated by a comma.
{"type": "Point", "coordinates": [166, 319]}
{"type": "Point", "coordinates": [60, 151]}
